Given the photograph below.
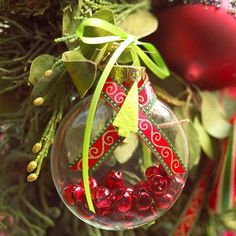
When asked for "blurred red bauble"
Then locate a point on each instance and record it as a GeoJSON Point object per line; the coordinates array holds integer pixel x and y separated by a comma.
{"type": "Point", "coordinates": [198, 42]}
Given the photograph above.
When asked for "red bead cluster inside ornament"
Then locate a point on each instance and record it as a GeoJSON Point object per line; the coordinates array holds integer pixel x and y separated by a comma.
{"type": "Point", "coordinates": [123, 203]}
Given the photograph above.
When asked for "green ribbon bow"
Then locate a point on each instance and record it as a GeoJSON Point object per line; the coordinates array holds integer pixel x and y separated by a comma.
{"type": "Point", "coordinates": [155, 64]}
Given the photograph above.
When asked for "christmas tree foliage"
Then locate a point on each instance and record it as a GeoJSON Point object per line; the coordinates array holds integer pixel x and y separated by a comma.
{"type": "Point", "coordinates": [43, 65]}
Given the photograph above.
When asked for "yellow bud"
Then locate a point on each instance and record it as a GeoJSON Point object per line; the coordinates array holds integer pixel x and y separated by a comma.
{"type": "Point", "coordinates": [32, 177]}
{"type": "Point", "coordinates": [37, 147]}
{"type": "Point", "coordinates": [48, 73]}
{"type": "Point", "coordinates": [31, 166]}
{"type": "Point", "coordinates": [38, 101]}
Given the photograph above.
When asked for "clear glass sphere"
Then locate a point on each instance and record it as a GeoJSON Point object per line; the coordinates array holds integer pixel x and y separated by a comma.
{"type": "Point", "coordinates": [130, 187]}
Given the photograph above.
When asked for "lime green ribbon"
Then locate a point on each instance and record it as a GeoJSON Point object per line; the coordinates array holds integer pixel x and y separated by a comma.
{"type": "Point", "coordinates": [155, 64]}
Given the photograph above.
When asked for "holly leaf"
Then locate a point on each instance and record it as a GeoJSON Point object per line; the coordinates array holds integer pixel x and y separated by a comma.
{"type": "Point", "coordinates": [82, 71]}
{"type": "Point", "coordinates": [38, 67]}
{"type": "Point", "coordinates": [204, 139]}
{"type": "Point", "coordinates": [193, 139]}
{"type": "Point", "coordinates": [140, 24]}
{"type": "Point", "coordinates": [213, 116]}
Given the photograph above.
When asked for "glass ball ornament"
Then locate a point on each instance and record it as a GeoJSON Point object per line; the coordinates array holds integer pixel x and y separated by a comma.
{"type": "Point", "coordinates": [129, 186]}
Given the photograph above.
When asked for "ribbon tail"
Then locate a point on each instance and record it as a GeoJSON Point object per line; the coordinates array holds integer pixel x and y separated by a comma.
{"type": "Point", "coordinates": [161, 71]}
{"type": "Point", "coordinates": [90, 118]}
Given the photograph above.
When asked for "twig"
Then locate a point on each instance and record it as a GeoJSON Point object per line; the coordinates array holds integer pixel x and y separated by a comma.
{"type": "Point", "coordinates": [172, 123]}
{"type": "Point", "coordinates": [37, 213]}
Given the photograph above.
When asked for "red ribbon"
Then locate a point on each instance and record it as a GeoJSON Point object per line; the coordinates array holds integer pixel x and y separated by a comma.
{"type": "Point", "coordinates": [194, 205]}
{"type": "Point", "coordinates": [149, 132]}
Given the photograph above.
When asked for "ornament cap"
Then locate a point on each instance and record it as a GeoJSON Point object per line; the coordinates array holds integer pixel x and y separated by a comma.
{"type": "Point", "coordinates": [130, 74]}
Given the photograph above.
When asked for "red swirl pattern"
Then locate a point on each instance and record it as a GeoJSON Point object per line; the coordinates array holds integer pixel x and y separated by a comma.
{"type": "Point", "coordinates": [113, 91]}
{"type": "Point", "coordinates": [152, 133]}
{"type": "Point", "coordinates": [106, 140]}
{"type": "Point", "coordinates": [145, 95]}
{"type": "Point", "coordinates": [100, 147]}
{"type": "Point", "coordinates": [114, 94]}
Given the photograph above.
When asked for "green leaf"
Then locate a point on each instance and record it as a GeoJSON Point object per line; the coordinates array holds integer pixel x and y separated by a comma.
{"type": "Point", "coordinates": [229, 219]}
{"type": "Point", "coordinates": [70, 24]}
{"type": "Point", "coordinates": [99, 54]}
{"type": "Point", "coordinates": [193, 139]}
{"type": "Point", "coordinates": [205, 140]}
{"type": "Point", "coordinates": [43, 86]}
{"type": "Point", "coordinates": [88, 50]}
{"type": "Point", "coordinates": [105, 14]}
{"type": "Point", "coordinates": [140, 24]}
{"type": "Point", "coordinates": [213, 116]}
{"type": "Point", "coordinates": [229, 105]}
{"type": "Point", "coordinates": [38, 67]}
{"type": "Point", "coordinates": [194, 144]}
{"type": "Point", "coordinates": [82, 71]}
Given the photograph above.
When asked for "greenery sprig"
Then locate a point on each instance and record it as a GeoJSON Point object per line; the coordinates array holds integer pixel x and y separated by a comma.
{"type": "Point", "coordinates": [41, 148]}
{"type": "Point", "coordinates": [120, 9]}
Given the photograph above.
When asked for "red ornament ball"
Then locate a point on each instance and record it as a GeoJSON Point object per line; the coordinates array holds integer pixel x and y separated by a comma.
{"type": "Point", "coordinates": [198, 42]}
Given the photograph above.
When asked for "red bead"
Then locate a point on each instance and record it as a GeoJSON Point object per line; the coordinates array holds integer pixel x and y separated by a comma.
{"type": "Point", "coordinates": [155, 170]}
{"type": "Point", "coordinates": [92, 184]}
{"type": "Point", "coordinates": [143, 201]}
{"type": "Point", "coordinates": [164, 202]}
{"type": "Point", "coordinates": [114, 179]}
{"type": "Point", "coordinates": [157, 184]}
{"type": "Point", "coordinates": [127, 218]}
{"type": "Point", "coordinates": [152, 170]}
{"type": "Point", "coordinates": [78, 194]}
{"type": "Point", "coordinates": [176, 184]}
{"type": "Point", "coordinates": [103, 198]}
{"type": "Point", "coordinates": [84, 211]}
{"type": "Point", "coordinates": [124, 199]}
{"type": "Point", "coordinates": [127, 189]}
{"type": "Point", "coordinates": [104, 212]}
{"type": "Point", "coordinates": [141, 186]}
{"type": "Point", "coordinates": [67, 194]}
